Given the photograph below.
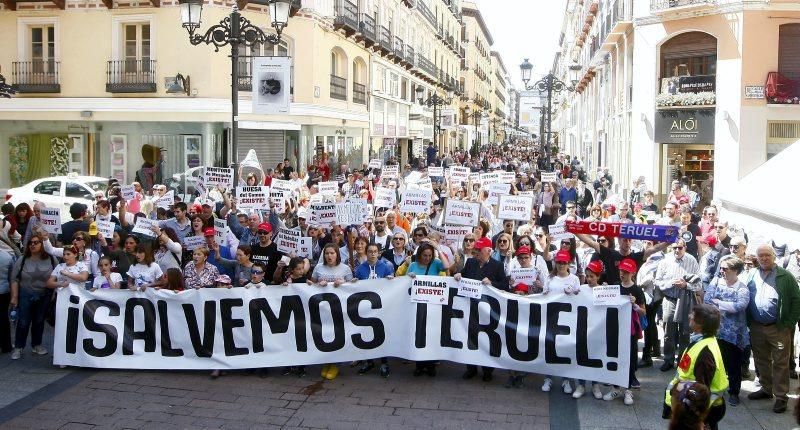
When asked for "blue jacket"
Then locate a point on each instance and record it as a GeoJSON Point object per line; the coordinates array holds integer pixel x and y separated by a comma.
{"type": "Point", "coordinates": [383, 269]}
{"type": "Point", "coordinates": [566, 195]}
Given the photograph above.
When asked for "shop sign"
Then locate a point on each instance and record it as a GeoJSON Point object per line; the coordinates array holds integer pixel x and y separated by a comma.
{"type": "Point", "coordinates": [754, 92]}
{"type": "Point", "coordinates": [684, 125]}
{"type": "Point", "coordinates": [696, 84]}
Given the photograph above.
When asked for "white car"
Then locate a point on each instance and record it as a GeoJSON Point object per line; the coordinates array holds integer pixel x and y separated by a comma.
{"type": "Point", "coordinates": [59, 192]}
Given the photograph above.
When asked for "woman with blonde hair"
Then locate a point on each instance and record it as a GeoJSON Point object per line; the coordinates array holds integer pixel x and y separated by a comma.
{"type": "Point", "coordinates": [504, 251]}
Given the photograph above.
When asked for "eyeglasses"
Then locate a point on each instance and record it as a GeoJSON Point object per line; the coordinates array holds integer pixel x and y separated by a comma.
{"type": "Point", "coordinates": [538, 235]}
{"type": "Point", "coordinates": [35, 242]}
{"type": "Point", "coordinates": [469, 240]}
{"type": "Point", "coordinates": [257, 272]}
{"type": "Point", "coordinates": [502, 241]}
{"type": "Point", "coordinates": [602, 240]}
{"type": "Point", "coordinates": [79, 238]}
{"type": "Point", "coordinates": [397, 238]}
{"type": "Point", "coordinates": [677, 248]}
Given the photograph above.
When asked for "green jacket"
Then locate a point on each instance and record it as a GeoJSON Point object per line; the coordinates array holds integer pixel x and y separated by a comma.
{"type": "Point", "coordinates": [788, 297]}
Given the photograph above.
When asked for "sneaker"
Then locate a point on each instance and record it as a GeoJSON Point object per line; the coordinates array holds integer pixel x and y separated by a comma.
{"type": "Point", "coordinates": [596, 391]}
{"type": "Point", "coordinates": [628, 397]}
{"type": "Point", "coordinates": [510, 382]}
{"type": "Point", "coordinates": [579, 392]}
{"type": "Point", "coordinates": [16, 353]}
{"type": "Point", "coordinates": [645, 362]}
{"type": "Point", "coordinates": [39, 350]}
{"type": "Point", "coordinates": [635, 383]}
{"type": "Point", "coordinates": [547, 384]}
{"type": "Point", "coordinates": [324, 371]}
{"type": "Point", "coordinates": [518, 381]}
{"type": "Point", "coordinates": [333, 372]}
{"type": "Point", "coordinates": [366, 367]}
{"type": "Point", "coordinates": [384, 370]}
{"type": "Point", "coordinates": [566, 386]}
{"type": "Point", "coordinates": [611, 395]}
{"type": "Point", "coordinates": [733, 400]}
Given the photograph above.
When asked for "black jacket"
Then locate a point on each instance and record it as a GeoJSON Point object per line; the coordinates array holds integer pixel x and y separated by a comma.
{"type": "Point", "coordinates": [493, 270]}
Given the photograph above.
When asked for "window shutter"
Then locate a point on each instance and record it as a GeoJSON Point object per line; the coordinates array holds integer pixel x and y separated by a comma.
{"type": "Point", "coordinates": [789, 51]}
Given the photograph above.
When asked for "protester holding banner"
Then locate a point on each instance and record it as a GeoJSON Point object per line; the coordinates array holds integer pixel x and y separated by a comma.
{"type": "Point", "coordinates": [293, 272]}
{"type": "Point", "coordinates": [106, 278]}
{"type": "Point", "coordinates": [593, 272]}
{"type": "Point", "coordinates": [241, 265]}
{"type": "Point", "coordinates": [330, 269]}
{"type": "Point", "coordinates": [145, 273]}
{"type": "Point", "coordinates": [70, 272]}
{"type": "Point", "coordinates": [169, 252]}
{"type": "Point", "coordinates": [89, 257]}
{"type": "Point", "coordinates": [199, 273]}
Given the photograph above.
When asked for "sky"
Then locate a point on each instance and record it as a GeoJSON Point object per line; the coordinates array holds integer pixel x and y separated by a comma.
{"type": "Point", "coordinates": [524, 29]}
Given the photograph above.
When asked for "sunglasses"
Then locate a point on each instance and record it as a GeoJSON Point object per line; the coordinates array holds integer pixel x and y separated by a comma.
{"type": "Point", "coordinates": [677, 248]}
{"type": "Point", "coordinates": [397, 238]}
{"type": "Point", "coordinates": [538, 235]}
{"type": "Point", "coordinates": [79, 238]}
{"type": "Point", "coordinates": [469, 240]}
{"type": "Point", "coordinates": [502, 241]}
{"type": "Point", "coordinates": [257, 272]}
{"type": "Point", "coordinates": [35, 242]}
{"type": "Point", "coordinates": [525, 244]}
{"type": "Point", "coordinates": [263, 232]}
{"type": "Point", "coordinates": [565, 244]}
{"type": "Point", "coordinates": [602, 240]}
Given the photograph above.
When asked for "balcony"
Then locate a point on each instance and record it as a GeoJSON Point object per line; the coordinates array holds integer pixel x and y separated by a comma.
{"type": "Point", "coordinates": [399, 47]}
{"type": "Point", "coordinates": [426, 13]}
{"type": "Point", "coordinates": [346, 17]}
{"type": "Point", "coordinates": [38, 76]}
{"type": "Point", "coordinates": [131, 76]}
{"type": "Point", "coordinates": [780, 89]}
{"type": "Point", "coordinates": [359, 93]}
{"type": "Point", "coordinates": [385, 40]}
{"type": "Point", "coordinates": [426, 65]}
{"type": "Point", "coordinates": [410, 56]}
{"type": "Point", "coordinates": [665, 7]}
{"type": "Point", "coordinates": [338, 88]}
{"type": "Point", "coordinates": [367, 29]}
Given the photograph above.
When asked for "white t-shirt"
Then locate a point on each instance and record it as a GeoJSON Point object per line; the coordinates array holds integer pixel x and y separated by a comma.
{"type": "Point", "coordinates": [75, 269]}
{"type": "Point", "coordinates": [569, 284]}
{"type": "Point", "coordinates": [143, 275]}
{"type": "Point", "coordinates": [102, 282]}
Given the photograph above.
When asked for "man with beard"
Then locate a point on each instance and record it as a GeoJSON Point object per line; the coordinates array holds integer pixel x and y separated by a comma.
{"type": "Point", "coordinates": [381, 236]}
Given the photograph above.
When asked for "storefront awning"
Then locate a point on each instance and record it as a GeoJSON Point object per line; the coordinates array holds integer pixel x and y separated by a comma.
{"type": "Point", "coordinates": [268, 125]}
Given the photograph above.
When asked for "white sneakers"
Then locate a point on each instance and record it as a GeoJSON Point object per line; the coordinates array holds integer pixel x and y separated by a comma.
{"type": "Point", "coordinates": [596, 391]}
{"type": "Point", "coordinates": [566, 386]}
{"type": "Point", "coordinates": [615, 392]}
{"type": "Point", "coordinates": [579, 391]}
{"type": "Point", "coordinates": [16, 353]}
{"type": "Point", "coordinates": [39, 350]}
{"type": "Point", "coordinates": [611, 395]}
{"type": "Point", "coordinates": [547, 384]}
{"type": "Point", "coordinates": [628, 397]}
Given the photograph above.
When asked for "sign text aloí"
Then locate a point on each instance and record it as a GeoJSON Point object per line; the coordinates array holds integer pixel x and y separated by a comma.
{"type": "Point", "coordinates": [684, 125]}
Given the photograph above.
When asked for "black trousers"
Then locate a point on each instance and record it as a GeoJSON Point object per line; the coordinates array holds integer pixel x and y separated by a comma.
{"type": "Point", "coordinates": [652, 347]}
{"type": "Point", "coordinates": [732, 357]}
{"type": "Point", "coordinates": [474, 368]}
{"type": "Point", "coordinates": [5, 324]}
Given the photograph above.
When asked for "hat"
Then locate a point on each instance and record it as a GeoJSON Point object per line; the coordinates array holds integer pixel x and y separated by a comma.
{"type": "Point", "coordinates": [207, 203]}
{"type": "Point", "coordinates": [208, 232]}
{"type": "Point", "coordinates": [197, 208]}
{"type": "Point", "coordinates": [93, 229]}
{"type": "Point", "coordinates": [265, 226]}
{"type": "Point", "coordinates": [595, 266]}
{"type": "Point", "coordinates": [738, 240]}
{"type": "Point", "coordinates": [563, 256]}
{"type": "Point", "coordinates": [483, 242]}
{"type": "Point", "coordinates": [223, 279]}
{"type": "Point", "coordinates": [522, 287]}
{"type": "Point", "coordinates": [524, 249]}
{"type": "Point", "coordinates": [627, 265]}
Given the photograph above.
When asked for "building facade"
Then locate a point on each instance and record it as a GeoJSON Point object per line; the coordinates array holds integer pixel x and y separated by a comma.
{"type": "Point", "coordinates": [476, 73]}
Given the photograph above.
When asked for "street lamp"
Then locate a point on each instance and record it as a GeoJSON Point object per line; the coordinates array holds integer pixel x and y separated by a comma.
{"type": "Point", "coordinates": [435, 101]}
{"type": "Point", "coordinates": [548, 84]}
{"type": "Point", "coordinates": [476, 115]}
{"type": "Point", "coordinates": [6, 90]}
{"type": "Point", "coordinates": [234, 30]}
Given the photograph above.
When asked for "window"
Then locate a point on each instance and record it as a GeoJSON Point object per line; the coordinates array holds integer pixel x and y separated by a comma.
{"type": "Point", "coordinates": [43, 48]}
{"type": "Point", "coordinates": [77, 191]}
{"type": "Point", "coordinates": [394, 89]}
{"type": "Point", "coordinates": [789, 51]}
{"type": "Point", "coordinates": [404, 89]}
{"type": "Point", "coordinates": [50, 188]}
{"type": "Point", "coordinates": [136, 47]}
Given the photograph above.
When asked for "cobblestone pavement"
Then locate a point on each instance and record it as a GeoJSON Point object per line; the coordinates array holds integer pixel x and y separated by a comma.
{"type": "Point", "coordinates": [37, 395]}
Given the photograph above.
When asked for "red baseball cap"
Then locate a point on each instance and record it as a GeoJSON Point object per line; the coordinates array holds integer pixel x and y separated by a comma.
{"type": "Point", "coordinates": [595, 266]}
{"type": "Point", "coordinates": [209, 231]}
{"type": "Point", "coordinates": [524, 249]}
{"type": "Point", "coordinates": [627, 265]}
{"type": "Point", "coordinates": [265, 226]}
{"type": "Point", "coordinates": [563, 256]}
{"type": "Point", "coordinates": [197, 208]}
{"type": "Point", "coordinates": [483, 242]}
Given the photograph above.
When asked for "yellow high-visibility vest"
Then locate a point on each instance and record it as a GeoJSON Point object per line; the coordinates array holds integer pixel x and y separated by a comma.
{"type": "Point", "coordinates": [719, 383]}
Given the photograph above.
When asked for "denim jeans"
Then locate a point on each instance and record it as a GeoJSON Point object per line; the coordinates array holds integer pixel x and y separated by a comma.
{"type": "Point", "coordinates": [31, 312]}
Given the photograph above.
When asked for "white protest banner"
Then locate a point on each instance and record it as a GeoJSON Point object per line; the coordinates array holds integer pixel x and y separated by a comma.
{"type": "Point", "coordinates": [105, 229]}
{"type": "Point", "coordinates": [458, 174]}
{"type": "Point", "coordinates": [51, 220]}
{"type": "Point", "coordinates": [193, 242]}
{"type": "Point", "coordinates": [200, 187]}
{"type": "Point", "coordinates": [422, 184]}
{"type": "Point", "coordinates": [460, 212]}
{"type": "Point", "coordinates": [166, 200]}
{"type": "Point", "coordinates": [495, 191]}
{"type": "Point", "coordinates": [145, 226]}
{"type": "Point", "coordinates": [390, 172]}
{"type": "Point", "coordinates": [437, 229]}
{"type": "Point", "coordinates": [525, 276]}
{"type": "Point", "coordinates": [526, 193]}
{"type": "Point", "coordinates": [252, 197]}
{"type": "Point", "coordinates": [220, 230]}
{"type": "Point", "coordinates": [415, 201]}
{"type": "Point", "coordinates": [558, 232]}
{"type": "Point", "coordinates": [385, 197]}
{"type": "Point", "coordinates": [475, 178]}
{"type": "Point", "coordinates": [489, 178]}
{"type": "Point", "coordinates": [518, 208]}
{"type": "Point", "coordinates": [128, 192]}
{"type": "Point", "coordinates": [470, 288]}
{"type": "Point", "coordinates": [436, 172]}
{"type": "Point", "coordinates": [315, 198]}
{"type": "Point", "coordinates": [507, 177]}
{"type": "Point", "coordinates": [328, 188]}
{"type": "Point", "coordinates": [158, 329]}
{"type": "Point", "coordinates": [606, 295]}
{"type": "Point", "coordinates": [352, 212]}
{"type": "Point", "coordinates": [432, 290]}
{"type": "Point", "coordinates": [280, 184]}
{"type": "Point", "coordinates": [288, 241]}
{"type": "Point", "coordinates": [375, 163]}
{"type": "Point", "coordinates": [322, 214]}
{"type": "Point", "coordinates": [278, 198]}
{"type": "Point", "coordinates": [271, 78]}
{"type": "Point", "coordinates": [218, 176]}
{"type": "Point", "coordinates": [549, 176]}
{"type": "Point", "coordinates": [413, 177]}
{"type": "Point", "coordinates": [305, 248]}
{"type": "Point", "coordinates": [455, 233]}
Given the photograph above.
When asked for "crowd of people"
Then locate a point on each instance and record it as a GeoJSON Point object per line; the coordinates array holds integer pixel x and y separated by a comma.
{"type": "Point", "coordinates": [718, 300]}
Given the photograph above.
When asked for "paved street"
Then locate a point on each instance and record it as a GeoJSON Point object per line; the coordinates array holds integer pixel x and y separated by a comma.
{"type": "Point", "coordinates": [37, 395]}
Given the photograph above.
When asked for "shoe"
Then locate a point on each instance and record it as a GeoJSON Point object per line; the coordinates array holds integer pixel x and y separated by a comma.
{"type": "Point", "coordinates": [215, 374]}
{"type": "Point", "coordinates": [518, 381]}
{"type": "Point", "coordinates": [288, 370]}
{"type": "Point", "coordinates": [635, 384]}
{"type": "Point", "coordinates": [301, 371]}
{"type": "Point", "coordinates": [366, 367]}
{"type": "Point", "coordinates": [16, 353]}
{"type": "Point", "coordinates": [746, 373]}
{"type": "Point", "coordinates": [793, 374]}
{"type": "Point", "coordinates": [431, 370]}
{"type": "Point", "coordinates": [510, 381]}
{"type": "Point", "coordinates": [566, 386]}
{"type": "Point", "coordinates": [333, 372]}
{"type": "Point", "coordinates": [547, 384]}
{"type": "Point", "coordinates": [384, 371]}
{"type": "Point", "coordinates": [487, 376]}
{"type": "Point", "coordinates": [733, 400]}
{"type": "Point", "coordinates": [780, 406]}
{"type": "Point", "coordinates": [628, 397]}
{"type": "Point", "coordinates": [469, 374]}
{"type": "Point", "coordinates": [596, 391]}
{"type": "Point", "coordinates": [580, 390]}
{"type": "Point", "coordinates": [419, 371]}
{"type": "Point", "coordinates": [645, 362]}
{"type": "Point", "coordinates": [759, 395]}
{"type": "Point", "coordinates": [667, 366]}
{"type": "Point", "coordinates": [263, 373]}
{"type": "Point", "coordinates": [611, 395]}
{"type": "Point", "coordinates": [39, 350]}
{"type": "Point", "coordinates": [324, 371]}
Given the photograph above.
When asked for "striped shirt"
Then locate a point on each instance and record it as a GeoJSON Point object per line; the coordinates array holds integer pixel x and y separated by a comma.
{"type": "Point", "coordinates": [671, 268]}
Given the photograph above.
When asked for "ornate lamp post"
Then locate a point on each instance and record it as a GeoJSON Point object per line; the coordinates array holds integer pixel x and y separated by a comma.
{"type": "Point", "coordinates": [234, 30]}
{"type": "Point", "coordinates": [436, 102]}
{"type": "Point", "coordinates": [6, 90]}
{"type": "Point", "coordinates": [476, 115]}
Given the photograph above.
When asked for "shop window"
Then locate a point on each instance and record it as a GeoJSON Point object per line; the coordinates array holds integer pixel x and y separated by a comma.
{"type": "Point", "coordinates": [789, 51]}
{"type": "Point", "coordinates": [688, 70]}
{"type": "Point", "coordinates": [50, 188]}
{"type": "Point", "coordinates": [76, 191]}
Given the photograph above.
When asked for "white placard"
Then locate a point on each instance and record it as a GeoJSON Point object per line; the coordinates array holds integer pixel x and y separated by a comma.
{"type": "Point", "coordinates": [352, 212]}
{"type": "Point", "coordinates": [489, 178]}
{"type": "Point", "coordinates": [193, 242]}
{"type": "Point", "coordinates": [288, 241]}
{"type": "Point", "coordinates": [105, 228]}
{"type": "Point", "coordinates": [145, 226]}
{"type": "Point", "coordinates": [281, 184]}
{"type": "Point", "coordinates": [558, 232]}
{"type": "Point", "coordinates": [458, 174]}
{"type": "Point", "coordinates": [322, 214]}
{"type": "Point", "coordinates": [606, 295]}
{"type": "Point", "coordinates": [385, 197]}
{"type": "Point", "coordinates": [50, 220]}
{"type": "Point", "coordinates": [328, 188]}
{"type": "Point", "coordinates": [495, 191]}
{"type": "Point", "coordinates": [525, 276]}
{"type": "Point", "coordinates": [218, 177]}
{"type": "Point", "coordinates": [220, 231]}
{"type": "Point", "coordinates": [271, 84]}
{"type": "Point", "coordinates": [305, 248]}
{"type": "Point", "coordinates": [432, 290]}
{"type": "Point", "coordinates": [518, 208]}
{"type": "Point", "coordinates": [549, 176]}
{"type": "Point", "coordinates": [128, 192]}
{"type": "Point", "coordinates": [278, 198]}
{"type": "Point", "coordinates": [475, 178]}
{"type": "Point", "coordinates": [455, 233]}
{"type": "Point", "coordinates": [375, 163]}
{"type": "Point", "coordinates": [507, 177]}
{"type": "Point", "coordinates": [415, 201]}
{"type": "Point", "coordinates": [470, 288]}
{"type": "Point", "coordinates": [436, 172]}
{"type": "Point", "coordinates": [460, 212]}
{"type": "Point", "coordinates": [165, 201]}
{"type": "Point", "coordinates": [390, 172]}
{"type": "Point", "coordinates": [252, 197]}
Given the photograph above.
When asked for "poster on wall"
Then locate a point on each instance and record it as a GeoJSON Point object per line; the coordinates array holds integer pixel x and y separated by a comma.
{"type": "Point", "coordinates": [271, 84]}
